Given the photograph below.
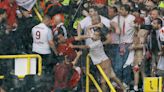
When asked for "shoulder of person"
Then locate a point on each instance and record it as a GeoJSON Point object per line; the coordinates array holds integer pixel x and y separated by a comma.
{"type": "Point", "coordinates": [103, 18]}
{"type": "Point", "coordinates": [36, 26]}
{"type": "Point", "coordinates": [131, 16]}
{"type": "Point", "coordinates": [86, 19]}
{"type": "Point", "coordinates": [115, 19]}
{"type": "Point", "coordinates": [41, 25]}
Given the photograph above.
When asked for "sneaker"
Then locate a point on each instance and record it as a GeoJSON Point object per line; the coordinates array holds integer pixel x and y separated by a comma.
{"type": "Point", "coordinates": [114, 84]}
{"type": "Point", "coordinates": [135, 88]}
{"type": "Point", "coordinates": [126, 86]}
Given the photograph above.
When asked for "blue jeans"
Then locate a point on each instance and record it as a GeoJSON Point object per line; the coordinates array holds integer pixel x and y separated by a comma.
{"type": "Point", "coordinates": [111, 51]}
{"type": "Point", "coordinates": [124, 74]}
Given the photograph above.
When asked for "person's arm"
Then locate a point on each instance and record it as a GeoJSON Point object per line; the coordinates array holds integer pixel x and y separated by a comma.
{"type": "Point", "coordinates": [77, 57]}
{"type": "Point", "coordinates": [51, 42]}
{"type": "Point", "coordinates": [108, 39]}
{"type": "Point", "coordinates": [81, 37]}
{"type": "Point", "coordinates": [115, 26]}
{"type": "Point", "coordinates": [52, 45]}
{"type": "Point", "coordinates": [79, 30]}
{"type": "Point", "coordinates": [78, 46]}
{"type": "Point", "coordinates": [106, 42]}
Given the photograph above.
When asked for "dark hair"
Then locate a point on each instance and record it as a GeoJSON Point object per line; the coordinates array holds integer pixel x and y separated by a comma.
{"type": "Point", "coordinates": [102, 32]}
{"type": "Point", "coordinates": [126, 7]}
{"type": "Point", "coordinates": [47, 17]}
{"type": "Point", "coordinates": [60, 32]}
{"type": "Point", "coordinates": [2, 11]}
{"type": "Point", "coordinates": [56, 37]}
{"type": "Point", "coordinates": [114, 9]}
{"type": "Point", "coordinates": [136, 10]}
{"type": "Point", "coordinates": [22, 9]}
{"type": "Point", "coordinates": [93, 7]}
{"type": "Point", "coordinates": [159, 21]}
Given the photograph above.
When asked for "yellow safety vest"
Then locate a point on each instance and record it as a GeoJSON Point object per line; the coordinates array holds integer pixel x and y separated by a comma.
{"type": "Point", "coordinates": [66, 2]}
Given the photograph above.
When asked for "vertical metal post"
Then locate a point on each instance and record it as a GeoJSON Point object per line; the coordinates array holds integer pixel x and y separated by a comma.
{"type": "Point", "coordinates": [40, 65]}
{"type": "Point", "coordinates": [160, 84]}
{"type": "Point", "coordinates": [87, 72]}
{"type": "Point", "coordinates": [28, 65]}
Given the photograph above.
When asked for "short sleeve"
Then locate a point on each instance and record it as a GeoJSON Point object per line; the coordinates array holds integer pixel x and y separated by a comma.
{"type": "Point", "coordinates": [132, 19]}
{"type": "Point", "coordinates": [83, 23]}
{"type": "Point", "coordinates": [115, 19]}
{"type": "Point", "coordinates": [105, 21]}
{"type": "Point", "coordinates": [50, 36]}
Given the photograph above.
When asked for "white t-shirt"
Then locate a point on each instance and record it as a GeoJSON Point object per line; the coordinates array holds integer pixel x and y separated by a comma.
{"type": "Point", "coordinates": [160, 65]}
{"type": "Point", "coordinates": [87, 22]}
{"type": "Point", "coordinates": [115, 37]}
{"type": "Point", "coordinates": [97, 52]}
{"type": "Point", "coordinates": [41, 36]}
{"type": "Point", "coordinates": [127, 37]}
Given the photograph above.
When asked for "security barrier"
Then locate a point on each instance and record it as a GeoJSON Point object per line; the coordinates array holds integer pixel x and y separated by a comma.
{"type": "Point", "coordinates": [153, 84]}
{"type": "Point", "coordinates": [28, 62]}
{"type": "Point", "coordinates": [90, 76]}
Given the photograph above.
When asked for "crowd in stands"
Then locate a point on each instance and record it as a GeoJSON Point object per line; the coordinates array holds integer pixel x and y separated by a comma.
{"type": "Point", "coordinates": [125, 37]}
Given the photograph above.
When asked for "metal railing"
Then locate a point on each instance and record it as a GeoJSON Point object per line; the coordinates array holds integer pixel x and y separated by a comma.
{"type": "Point", "coordinates": [28, 62]}
{"type": "Point", "coordinates": [89, 76]}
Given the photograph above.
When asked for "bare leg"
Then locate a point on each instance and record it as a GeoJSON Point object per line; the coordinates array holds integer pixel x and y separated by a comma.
{"type": "Point", "coordinates": [136, 77]}
{"type": "Point", "coordinates": [1, 90]}
{"type": "Point", "coordinates": [106, 65]}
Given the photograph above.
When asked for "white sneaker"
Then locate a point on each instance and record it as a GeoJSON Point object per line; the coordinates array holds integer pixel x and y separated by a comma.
{"type": "Point", "coordinates": [114, 84]}
{"type": "Point", "coordinates": [135, 88]}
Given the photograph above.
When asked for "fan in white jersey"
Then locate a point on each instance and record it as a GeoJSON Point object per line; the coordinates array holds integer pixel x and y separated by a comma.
{"type": "Point", "coordinates": [42, 38]}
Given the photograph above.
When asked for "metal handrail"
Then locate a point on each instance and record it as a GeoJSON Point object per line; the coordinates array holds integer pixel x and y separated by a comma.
{"type": "Point", "coordinates": [28, 62]}
{"type": "Point", "coordinates": [90, 76]}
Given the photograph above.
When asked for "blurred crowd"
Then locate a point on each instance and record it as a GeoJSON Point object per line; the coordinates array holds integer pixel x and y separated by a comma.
{"type": "Point", "coordinates": [125, 37]}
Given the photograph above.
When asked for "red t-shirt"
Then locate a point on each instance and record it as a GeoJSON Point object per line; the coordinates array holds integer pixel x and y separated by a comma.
{"type": "Point", "coordinates": [62, 74]}
{"type": "Point", "coordinates": [10, 10]}
{"type": "Point", "coordinates": [64, 49]}
{"type": "Point", "coordinates": [99, 1]}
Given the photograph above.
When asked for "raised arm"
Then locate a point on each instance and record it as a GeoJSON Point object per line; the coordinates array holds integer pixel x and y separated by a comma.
{"type": "Point", "coordinates": [79, 30]}
{"type": "Point", "coordinates": [51, 42]}
{"type": "Point", "coordinates": [116, 27]}
{"type": "Point", "coordinates": [79, 53]}
{"type": "Point", "coordinates": [52, 45]}
{"type": "Point", "coordinates": [79, 46]}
